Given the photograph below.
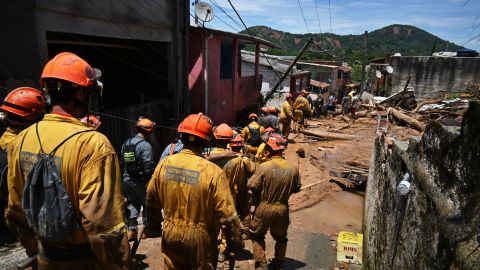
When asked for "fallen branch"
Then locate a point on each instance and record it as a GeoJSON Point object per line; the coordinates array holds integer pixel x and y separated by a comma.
{"type": "Point", "coordinates": [346, 119]}
{"type": "Point", "coordinates": [329, 135]}
{"type": "Point", "coordinates": [313, 184]}
{"type": "Point", "coordinates": [420, 105]}
{"type": "Point", "coordinates": [357, 164]}
{"type": "Point", "coordinates": [340, 128]}
{"type": "Point", "coordinates": [405, 118]}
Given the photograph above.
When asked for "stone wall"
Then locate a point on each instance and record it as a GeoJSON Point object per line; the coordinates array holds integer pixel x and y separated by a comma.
{"type": "Point", "coordinates": [433, 74]}
{"type": "Point", "coordinates": [437, 224]}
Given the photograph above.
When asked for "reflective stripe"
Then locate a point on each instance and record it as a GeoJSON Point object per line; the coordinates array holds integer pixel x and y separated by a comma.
{"type": "Point", "coordinates": [117, 227]}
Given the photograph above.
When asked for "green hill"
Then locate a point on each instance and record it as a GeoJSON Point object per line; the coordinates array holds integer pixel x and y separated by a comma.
{"type": "Point", "coordinates": [404, 39]}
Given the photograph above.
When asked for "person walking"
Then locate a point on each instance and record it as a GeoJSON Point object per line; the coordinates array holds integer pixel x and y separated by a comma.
{"type": "Point", "coordinates": [252, 134]}
{"type": "Point", "coordinates": [22, 107]}
{"type": "Point", "coordinates": [301, 110]}
{"type": "Point", "coordinates": [196, 200]}
{"type": "Point", "coordinates": [86, 228]}
{"type": "Point", "coordinates": [286, 116]}
{"type": "Point", "coordinates": [138, 166]}
{"type": "Point", "coordinates": [272, 185]}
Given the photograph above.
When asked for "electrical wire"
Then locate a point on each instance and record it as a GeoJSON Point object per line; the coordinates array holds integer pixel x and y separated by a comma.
{"type": "Point", "coordinates": [228, 15]}
{"type": "Point", "coordinates": [303, 15]}
{"type": "Point", "coordinates": [250, 33]}
{"type": "Point", "coordinates": [318, 17]}
{"type": "Point", "coordinates": [126, 119]}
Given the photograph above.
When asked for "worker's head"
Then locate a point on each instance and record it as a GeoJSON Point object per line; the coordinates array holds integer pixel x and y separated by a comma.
{"type": "Point", "coordinates": [253, 117]}
{"type": "Point", "coordinates": [145, 126]}
{"type": "Point", "coordinates": [223, 135]}
{"type": "Point", "coordinates": [195, 130]}
{"type": "Point", "coordinates": [23, 106]}
{"type": "Point", "coordinates": [70, 82]}
{"type": "Point", "coordinates": [275, 145]}
{"type": "Point", "coordinates": [272, 109]}
{"type": "Point", "coordinates": [264, 110]}
{"type": "Point", "coordinates": [237, 143]}
{"type": "Point", "coordinates": [304, 92]}
{"type": "Point", "coordinates": [92, 121]}
{"type": "Point", "coordinates": [289, 97]}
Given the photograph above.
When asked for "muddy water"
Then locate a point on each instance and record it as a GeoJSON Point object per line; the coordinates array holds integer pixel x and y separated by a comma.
{"type": "Point", "coordinates": [342, 211]}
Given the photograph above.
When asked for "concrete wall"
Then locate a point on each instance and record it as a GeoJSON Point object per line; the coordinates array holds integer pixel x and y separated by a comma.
{"type": "Point", "coordinates": [433, 74]}
{"type": "Point", "coordinates": [437, 224]}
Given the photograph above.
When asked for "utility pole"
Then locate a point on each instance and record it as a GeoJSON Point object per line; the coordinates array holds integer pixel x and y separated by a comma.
{"type": "Point", "coordinates": [364, 63]}
{"type": "Point", "coordinates": [270, 93]}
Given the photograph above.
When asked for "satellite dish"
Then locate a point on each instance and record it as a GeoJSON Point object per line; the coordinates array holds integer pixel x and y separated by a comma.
{"type": "Point", "coordinates": [204, 12]}
{"type": "Point", "coordinates": [378, 73]}
{"type": "Point", "coordinates": [389, 69]}
{"type": "Point", "coordinates": [397, 54]}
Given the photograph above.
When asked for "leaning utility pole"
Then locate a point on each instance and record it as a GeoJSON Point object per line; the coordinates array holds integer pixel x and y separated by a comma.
{"type": "Point", "coordinates": [270, 93]}
{"type": "Point", "coordinates": [364, 63]}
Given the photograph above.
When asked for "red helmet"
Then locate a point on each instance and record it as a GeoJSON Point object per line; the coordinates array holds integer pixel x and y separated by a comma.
{"type": "Point", "coordinates": [69, 67]}
{"type": "Point", "coordinates": [253, 116]}
{"type": "Point", "coordinates": [272, 109]}
{"type": "Point", "coordinates": [237, 141]}
{"type": "Point", "coordinates": [196, 124]}
{"type": "Point", "coordinates": [264, 110]}
{"type": "Point", "coordinates": [26, 102]}
{"type": "Point", "coordinates": [223, 132]}
{"type": "Point", "coordinates": [144, 124]}
{"type": "Point", "coordinates": [269, 129]}
{"type": "Point", "coordinates": [92, 121]}
{"type": "Point", "coordinates": [277, 142]}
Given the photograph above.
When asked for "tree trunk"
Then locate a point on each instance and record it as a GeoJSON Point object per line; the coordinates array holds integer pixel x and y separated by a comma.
{"type": "Point", "coordinates": [329, 135]}
{"type": "Point", "coordinates": [406, 119]}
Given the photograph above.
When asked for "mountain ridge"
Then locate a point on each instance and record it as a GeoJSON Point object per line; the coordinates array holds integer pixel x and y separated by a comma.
{"type": "Point", "coordinates": [396, 38]}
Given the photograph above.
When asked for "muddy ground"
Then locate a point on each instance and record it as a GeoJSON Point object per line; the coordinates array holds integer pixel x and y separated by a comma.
{"type": "Point", "coordinates": [318, 213]}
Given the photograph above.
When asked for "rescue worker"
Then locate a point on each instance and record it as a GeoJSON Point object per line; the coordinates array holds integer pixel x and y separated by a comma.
{"type": "Point", "coordinates": [92, 121]}
{"type": "Point", "coordinates": [272, 119]}
{"type": "Point", "coordinates": [262, 118]}
{"type": "Point", "coordinates": [286, 116]}
{"type": "Point", "coordinates": [175, 147]}
{"type": "Point", "coordinates": [260, 155]}
{"type": "Point", "coordinates": [138, 168]}
{"type": "Point", "coordinates": [22, 107]}
{"type": "Point", "coordinates": [89, 171]}
{"type": "Point", "coordinates": [272, 185]}
{"type": "Point", "coordinates": [252, 134]}
{"type": "Point", "coordinates": [195, 198]}
{"type": "Point", "coordinates": [301, 110]}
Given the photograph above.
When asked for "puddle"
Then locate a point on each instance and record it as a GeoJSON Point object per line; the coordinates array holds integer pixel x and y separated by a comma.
{"type": "Point", "coordinates": [342, 211]}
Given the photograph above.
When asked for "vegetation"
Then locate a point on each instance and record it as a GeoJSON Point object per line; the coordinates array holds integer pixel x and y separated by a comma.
{"type": "Point", "coordinates": [405, 39]}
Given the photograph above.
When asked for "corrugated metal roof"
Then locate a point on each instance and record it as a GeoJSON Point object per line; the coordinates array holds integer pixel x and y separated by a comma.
{"type": "Point", "coordinates": [319, 84]}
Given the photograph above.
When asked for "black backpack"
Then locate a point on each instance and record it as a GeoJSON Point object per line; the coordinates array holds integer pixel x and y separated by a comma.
{"type": "Point", "coordinates": [129, 158]}
{"type": "Point", "coordinates": [255, 138]}
{"type": "Point", "coordinates": [46, 203]}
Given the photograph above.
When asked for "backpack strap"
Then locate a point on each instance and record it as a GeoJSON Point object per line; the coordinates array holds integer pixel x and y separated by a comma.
{"type": "Point", "coordinates": [61, 143]}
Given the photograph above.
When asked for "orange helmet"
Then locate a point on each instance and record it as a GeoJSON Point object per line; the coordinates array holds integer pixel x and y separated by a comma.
{"type": "Point", "coordinates": [304, 92]}
{"type": "Point", "coordinates": [196, 124]}
{"type": "Point", "coordinates": [269, 129]}
{"type": "Point", "coordinates": [237, 141]}
{"type": "Point", "coordinates": [272, 109]}
{"type": "Point", "coordinates": [264, 109]}
{"type": "Point", "coordinates": [92, 121]}
{"type": "Point", "coordinates": [277, 142]}
{"type": "Point", "coordinates": [69, 67]}
{"type": "Point", "coordinates": [288, 96]}
{"type": "Point", "coordinates": [26, 102]}
{"type": "Point", "coordinates": [253, 116]}
{"type": "Point", "coordinates": [223, 132]}
{"type": "Point", "coordinates": [144, 124]}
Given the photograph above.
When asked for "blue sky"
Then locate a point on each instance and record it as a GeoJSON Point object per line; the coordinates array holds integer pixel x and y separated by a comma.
{"type": "Point", "coordinates": [452, 20]}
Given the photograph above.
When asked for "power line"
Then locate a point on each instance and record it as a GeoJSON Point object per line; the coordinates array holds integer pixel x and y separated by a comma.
{"type": "Point", "coordinates": [318, 17]}
{"type": "Point", "coordinates": [330, 12]}
{"type": "Point", "coordinates": [246, 28]}
{"type": "Point", "coordinates": [303, 15]}
{"type": "Point", "coordinates": [228, 15]}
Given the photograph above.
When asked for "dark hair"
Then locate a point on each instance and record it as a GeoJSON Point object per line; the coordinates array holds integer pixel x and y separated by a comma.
{"type": "Point", "coordinates": [61, 91]}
